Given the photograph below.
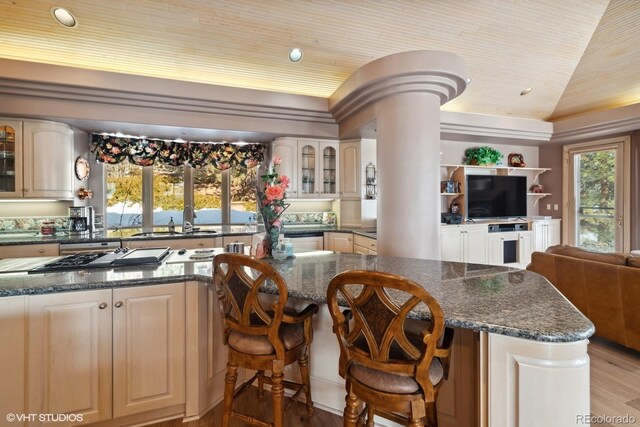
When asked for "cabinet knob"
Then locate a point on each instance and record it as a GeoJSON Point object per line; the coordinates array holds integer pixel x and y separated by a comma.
{"type": "Point", "coordinates": [102, 306]}
{"type": "Point", "coordinates": [41, 251]}
{"type": "Point", "coordinates": [372, 245]}
{"type": "Point", "coordinates": [118, 304]}
{"type": "Point", "coordinates": [26, 190]}
{"type": "Point", "coordinates": [201, 244]}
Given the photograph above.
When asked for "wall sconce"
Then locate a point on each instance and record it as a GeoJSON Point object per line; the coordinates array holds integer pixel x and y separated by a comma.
{"type": "Point", "coordinates": [84, 193]}
{"type": "Point", "coordinates": [371, 182]}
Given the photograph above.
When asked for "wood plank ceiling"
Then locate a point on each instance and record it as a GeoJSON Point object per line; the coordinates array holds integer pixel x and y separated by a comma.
{"type": "Point", "coordinates": [509, 45]}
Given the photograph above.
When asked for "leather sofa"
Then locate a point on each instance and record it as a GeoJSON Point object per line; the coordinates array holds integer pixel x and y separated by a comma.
{"type": "Point", "coordinates": [605, 287]}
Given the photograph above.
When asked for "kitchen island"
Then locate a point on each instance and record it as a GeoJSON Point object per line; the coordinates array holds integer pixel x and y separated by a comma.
{"type": "Point", "coordinates": [531, 365]}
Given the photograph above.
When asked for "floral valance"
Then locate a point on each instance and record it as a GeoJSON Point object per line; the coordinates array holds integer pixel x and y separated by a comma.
{"type": "Point", "coordinates": [145, 152]}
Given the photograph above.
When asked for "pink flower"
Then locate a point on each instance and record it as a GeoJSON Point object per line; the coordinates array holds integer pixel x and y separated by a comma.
{"type": "Point", "coordinates": [278, 209]}
{"type": "Point", "coordinates": [277, 160]}
{"type": "Point", "coordinates": [277, 223]}
{"type": "Point", "coordinates": [284, 181]}
{"type": "Point", "coordinates": [274, 192]}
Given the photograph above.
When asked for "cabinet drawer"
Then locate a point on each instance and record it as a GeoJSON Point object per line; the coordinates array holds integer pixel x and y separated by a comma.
{"type": "Point", "coordinates": [367, 242]}
{"type": "Point", "coordinates": [171, 243]}
{"type": "Point", "coordinates": [237, 239]}
{"type": "Point", "coordinates": [26, 251]}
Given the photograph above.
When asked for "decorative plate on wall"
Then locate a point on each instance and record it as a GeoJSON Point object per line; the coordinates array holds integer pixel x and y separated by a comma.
{"type": "Point", "coordinates": [82, 169]}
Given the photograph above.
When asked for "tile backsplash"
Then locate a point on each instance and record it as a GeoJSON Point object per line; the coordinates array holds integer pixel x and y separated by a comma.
{"type": "Point", "coordinates": [308, 218]}
{"type": "Point", "coordinates": [19, 224]}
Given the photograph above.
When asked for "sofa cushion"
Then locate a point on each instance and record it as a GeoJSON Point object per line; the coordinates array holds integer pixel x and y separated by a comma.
{"type": "Point", "coordinates": [571, 251]}
{"type": "Point", "coordinates": [633, 261]}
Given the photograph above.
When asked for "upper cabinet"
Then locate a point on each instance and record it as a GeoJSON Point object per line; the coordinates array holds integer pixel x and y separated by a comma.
{"type": "Point", "coordinates": [355, 155]}
{"type": "Point", "coordinates": [36, 160]}
{"type": "Point", "coordinates": [312, 166]}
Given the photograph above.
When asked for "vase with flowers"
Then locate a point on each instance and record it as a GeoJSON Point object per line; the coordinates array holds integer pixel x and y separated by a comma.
{"type": "Point", "coordinates": [271, 197]}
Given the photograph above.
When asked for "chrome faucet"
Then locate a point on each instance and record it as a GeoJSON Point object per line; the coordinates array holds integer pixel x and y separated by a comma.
{"type": "Point", "coordinates": [187, 226]}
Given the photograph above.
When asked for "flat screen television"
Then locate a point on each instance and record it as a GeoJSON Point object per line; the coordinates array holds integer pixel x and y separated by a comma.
{"type": "Point", "coordinates": [496, 196]}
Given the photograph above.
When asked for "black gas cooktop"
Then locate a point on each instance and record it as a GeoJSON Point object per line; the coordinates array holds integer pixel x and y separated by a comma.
{"type": "Point", "coordinates": [119, 257]}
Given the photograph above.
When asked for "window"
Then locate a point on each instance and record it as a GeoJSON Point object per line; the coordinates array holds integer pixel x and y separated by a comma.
{"type": "Point", "coordinates": [207, 196]}
{"type": "Point", "coordinates": [124, 196]}
{"type": "Point", "coordinates": [171, 189]}
{"type": "Point", "coordinates": [243, 195]}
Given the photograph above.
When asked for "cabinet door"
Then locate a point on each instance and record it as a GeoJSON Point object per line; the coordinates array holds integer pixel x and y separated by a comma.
{"type": "Point", "coordinates": [475, 244]}
{"type": "Point", "coordinates": [350, 182]}
{"type": "Point", "coordinates": [12, 355]}
{"type": "Point", "coordinates": [148, 348]}
{"type": "Point", "coordinates": [451, 244]}
{"type": "Point", "coordinates": [357, 249]}
{"type": "Point", "coordinates": [69, 358]}
{"type": "Point", "coordinates": [207, 242]}
{"type": "Point", "coordinates": [525, 247]}
{"type": "Point", "coordinates": [339, 242]}
{"type": "Point", "coordinates": [48, 160]}
{"type": "Point", "coordinates": [328, 167]}
{"type": "Point", "coordinates": [308, 182]}
{"type": "Point", "coordinates": [11, 184]}
{"type": "Point", "coordinates": [540, 230]}
{"type": "Point", "coordinates": [288, 149]}
{"type": "Point", "coordinates": [553, 233]}
{"type": "Point", "coordinates": [495, 248]}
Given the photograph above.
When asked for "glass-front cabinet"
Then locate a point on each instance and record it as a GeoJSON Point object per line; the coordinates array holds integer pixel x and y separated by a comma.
{"type": "Point", "coordinates": [307, 168]}
{"type": "Point", "coordinates": [317, 168]}
{"type": "Point", "coordinates": [329, 167]}
{"type": "Point", "coordinates": [10, 159]}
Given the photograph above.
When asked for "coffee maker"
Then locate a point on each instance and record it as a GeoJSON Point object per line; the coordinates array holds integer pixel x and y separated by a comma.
{"type": "Point", "coordinates": [81, 220]}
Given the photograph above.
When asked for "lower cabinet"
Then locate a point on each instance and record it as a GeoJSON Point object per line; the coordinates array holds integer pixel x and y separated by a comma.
{"type": "Point", "coordinates": [28, 251]}
{"type": "Point", "coordinates": [106, 353]}
{"type": "Point", "coordinates": [510, 247]}
{"type": "Point", "coordinates": [205, 242]}
{"type": "Point", "coordinates": [339, 242]}
{"type": "Point", "coordinates": [464, 243]}
{"type": "Point", "coordinates": [12, 356]}
{"type": "Point", "coordinates": [315, 243]}
{"type": "Point", "coordinates": [545, 233]}
{"type": "Point", "coordinates": [364, 245]}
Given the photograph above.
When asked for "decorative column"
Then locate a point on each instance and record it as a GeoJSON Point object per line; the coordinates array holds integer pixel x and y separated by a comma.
{"type": "Point", "coordinates": [403, 93]}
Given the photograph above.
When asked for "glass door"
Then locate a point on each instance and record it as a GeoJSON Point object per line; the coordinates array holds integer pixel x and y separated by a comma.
{"type": "Point", "coordinates": [329, 170]}
{"type": "Point", "coordinates": [7, 159]}
{"type": "Point", "coordinates": [308, 170]}
{"type": "Point", "coordinates": [598, 215]}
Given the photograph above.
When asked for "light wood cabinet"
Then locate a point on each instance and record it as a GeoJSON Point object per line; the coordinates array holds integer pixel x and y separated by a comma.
{"type": "Point", "coordinates": [148, 348]}
{"type": "Point", "coordinates": [546, 233]}
{"type": "Point", "coordinates": [464, 243]}
{"type": "Point", "coordinates": [247, 240]}
{"type": "Point", "coordinates": [107, 353]}
{"type": "Point", "coordinates": [315, 243]}
{"type": "Point", "coordinates": [28, 251]}
{"type": "Point", "coordinates": [339, 242]}
{"type": "Point", "coordinates": [69, 357]}
{"type": "Point", "coordinates": [13, 325]}
{"type": "Point", "coordinates": [312, 165]}
{"type": "Point", "coordinates": [10, 158]}
{"type": "Point", "coordinates": [364, 245]}
{"type": "Point", "coordinates": [205, 242]}
{"type": "Point", "coordinates": [48, 160]}
{"type": "Point", "coordinates": [350, 170]}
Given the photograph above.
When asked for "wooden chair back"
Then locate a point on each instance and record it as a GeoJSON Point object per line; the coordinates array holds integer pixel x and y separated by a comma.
{"type": "Point", "coordinates": [373, 331]}
{"type": "Point", "coordinates": [238, 279]}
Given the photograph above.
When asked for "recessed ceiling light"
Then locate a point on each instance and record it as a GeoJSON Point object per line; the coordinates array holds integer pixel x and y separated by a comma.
{"type": "Point", "coordinates": [64, 17]}
{"type": "Point", "coordinates": [295, 55]}
{"type": "Point", "coordinates": [527, 91]}
{"type": "Point", "coordinates": [469, 80]}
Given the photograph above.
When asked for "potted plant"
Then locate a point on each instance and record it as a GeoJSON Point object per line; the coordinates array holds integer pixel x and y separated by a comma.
{"type": "Point", "coordinates": [482, 156]}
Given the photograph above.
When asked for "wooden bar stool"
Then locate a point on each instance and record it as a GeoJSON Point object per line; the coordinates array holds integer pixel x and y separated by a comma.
{"type": "Point", "coordinates": [396, 372]}
{"type": "Point", "coordinates": [258, 338]}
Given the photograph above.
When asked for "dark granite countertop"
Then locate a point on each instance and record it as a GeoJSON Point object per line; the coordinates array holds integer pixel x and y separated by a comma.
{"type": "Point", "coordinates": [495, 299]}
{"type": "Point", "coordinates": [32, 238]}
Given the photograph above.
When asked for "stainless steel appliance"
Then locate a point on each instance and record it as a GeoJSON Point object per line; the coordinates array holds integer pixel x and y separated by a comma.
{"type": "Point", "coordinates": [74, 248]}
{"type": "Point", "coordinates": [81, 220]}
{"type": "Point", "coordinates": [118, 258]}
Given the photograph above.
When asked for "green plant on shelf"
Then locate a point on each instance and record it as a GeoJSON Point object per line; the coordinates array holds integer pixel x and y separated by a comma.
{"type": "Point", "coordinates": [482, 156]}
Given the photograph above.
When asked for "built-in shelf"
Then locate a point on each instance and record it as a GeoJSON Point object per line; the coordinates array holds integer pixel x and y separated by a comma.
{"type": "Point", "coordinates": [509, 169]}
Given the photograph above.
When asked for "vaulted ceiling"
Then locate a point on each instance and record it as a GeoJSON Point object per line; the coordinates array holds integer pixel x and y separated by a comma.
{"type": "Point", "coordinates": [578, 55]}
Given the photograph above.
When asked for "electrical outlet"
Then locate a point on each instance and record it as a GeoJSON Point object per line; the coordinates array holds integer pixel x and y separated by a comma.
{"type": "Point", "coordinates": [548, 206]}
{"type": "Point", "coordinates": [555, 207]}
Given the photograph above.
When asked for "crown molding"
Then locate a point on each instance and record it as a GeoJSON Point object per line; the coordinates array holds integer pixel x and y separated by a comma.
{"type": "Point", "coordinates": [597, 124]}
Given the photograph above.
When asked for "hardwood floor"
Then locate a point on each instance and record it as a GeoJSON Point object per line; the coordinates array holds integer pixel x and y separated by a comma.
{"type": "Point", "coordinates": [615, 391]}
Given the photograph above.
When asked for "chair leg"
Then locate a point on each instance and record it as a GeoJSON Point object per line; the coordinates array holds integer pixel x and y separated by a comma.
{"type": "Point", "coordinates": [277, 395]}
{"type": "Point", "coordinates": [351, 408]}
{"type": "Point", "coordinates": [260, 384]}
{"type": "Point", "coordinates": [303, 361]}
{"type": "Point", "coordinates": [229, 388]}
{"type": "Point", "coordinates": [432, 414]}
{"type": "Point", "coordinates": [370, 416]}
